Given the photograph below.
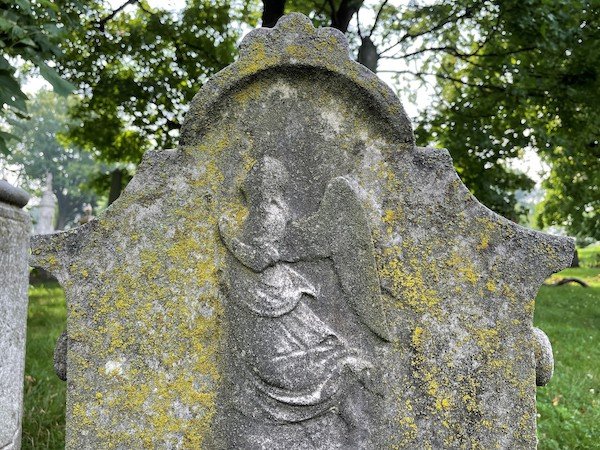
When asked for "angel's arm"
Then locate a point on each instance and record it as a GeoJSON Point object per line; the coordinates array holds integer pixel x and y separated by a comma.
{"type": "Point", "coordinates": [252, 256]}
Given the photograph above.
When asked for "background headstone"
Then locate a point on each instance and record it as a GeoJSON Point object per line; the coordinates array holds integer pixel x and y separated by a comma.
{"type": "Point", "coordinates": [298, 222]}
{"type": "Point", "coordinates": [14, 280]}
{"type": "Point", "coordinates": [46, 209]}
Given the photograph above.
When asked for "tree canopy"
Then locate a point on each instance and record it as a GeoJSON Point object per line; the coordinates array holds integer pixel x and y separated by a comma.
{"type": "Point", "coordinates": [530, 81]}
{"type": "Point", "coordinates": [29, 36]}
{"type": "Point", "coordinates": [499, 77]}
{"type": "Point", "coordinates": [42, 151]}
{"type": "Point", "coordinates": [138, 68]}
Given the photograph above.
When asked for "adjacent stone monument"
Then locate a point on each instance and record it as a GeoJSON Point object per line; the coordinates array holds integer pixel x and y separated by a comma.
{"type": "Point", "coordinates": [14, 279]}
{"type": "Point", "coordinates": [298, 275]}
{"type": "Point", "coordinates": [45, 222]}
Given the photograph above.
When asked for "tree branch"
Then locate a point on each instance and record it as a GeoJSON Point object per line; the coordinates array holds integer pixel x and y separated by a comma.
{"type": "Point", "coordinates": [422, 75]}
{"type": "Point", "coordinates": [333, 13]}
{"type": "Point", "coordinates": [342, 17]}
{"type": "Point", "coordinates": [358, 27]}
{"type": "Point", "coordinates": [567, 280]}
{"type": "Point", "coordinates": [453, 51]}
{"type": "Point", "coordinates": [377, 17]}
{"type": "Point", "coordinates": [102, 22]}
{"type": "Point", "coordinates": [448, 19]}
{"type": "Point", "coordinates": [272, 11]}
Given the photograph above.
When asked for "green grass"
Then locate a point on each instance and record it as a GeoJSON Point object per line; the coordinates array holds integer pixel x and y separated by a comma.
{"type": "Point", "coordinates": [568, 408]}
{"type": "Point", "coordinates": [44, 417]}
{"type": "Point", "coordinates": [589, 256]}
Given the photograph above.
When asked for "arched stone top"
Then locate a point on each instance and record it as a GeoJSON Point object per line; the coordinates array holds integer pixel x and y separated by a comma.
{"type": "Point", "coordinates": [294, 43]}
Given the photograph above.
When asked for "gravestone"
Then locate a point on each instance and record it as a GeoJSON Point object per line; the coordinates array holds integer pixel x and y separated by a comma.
{"type": "Point", "coordinates": [14, 279]}
{"type": "Point", "coordinates": [45, 222]}
{"type": "Point", "coordinates": [298, 274]}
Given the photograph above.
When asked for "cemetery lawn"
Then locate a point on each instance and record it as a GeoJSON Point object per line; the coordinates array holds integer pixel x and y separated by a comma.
{"type": "Point", "coordinates": [568, 408]}
{"type": "Point", "coordinates": [44, 416]}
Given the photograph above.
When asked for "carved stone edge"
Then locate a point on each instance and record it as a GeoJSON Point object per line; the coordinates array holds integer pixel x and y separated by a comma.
{"type": "Point", "coordinates": [558, 258]}
{"type": "Point", "coordinates": [293, 43]}
{"type": "Point", "coordinates": [60, 356]}
{"type": "Point", "coordinates": [13, 195]}
{"type": "Point", "coordinates": [562, 247]}
{"type": "Point", "coordinates": [53, 252]}
{"type": "Point", "coordinates": [326, 49]}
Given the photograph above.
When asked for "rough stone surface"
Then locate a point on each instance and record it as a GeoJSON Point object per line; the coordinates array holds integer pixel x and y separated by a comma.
{"type": "Point", "coordinates": [14, 279]}
{"type": "Point", "coordinates": [297, 274]}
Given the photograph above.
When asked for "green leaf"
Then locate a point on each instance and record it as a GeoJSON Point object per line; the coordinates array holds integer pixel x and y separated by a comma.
{"type": "Point", "coordinates": [60, 86]}
{"type": "Point", "coordinates": [6, 25]}
{"type": "Point", "coordinates": [4, 138]}
{"type": "Point", "coordinates": [28, 41]}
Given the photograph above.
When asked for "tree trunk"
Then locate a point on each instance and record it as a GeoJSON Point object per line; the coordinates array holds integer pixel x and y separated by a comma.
{"type": "Point", "coordinates": [64, 210]}
{"type": "Point", "coordinates": [367, 54]}
{"type": "Point", "coordinates": [116, 185]}
{"type": "Point", "coordinates": [341, 18]}
{"type": "Point", "coordinates": [272, 11]}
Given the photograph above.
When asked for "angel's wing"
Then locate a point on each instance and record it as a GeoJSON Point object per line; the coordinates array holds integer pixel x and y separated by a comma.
{"type": "Point", "coordinates": [353, 253]}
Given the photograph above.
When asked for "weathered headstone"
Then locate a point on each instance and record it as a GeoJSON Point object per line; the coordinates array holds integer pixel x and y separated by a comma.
{"type": "Point", "coordinates": [297, 274]}
{"type": "Point", "coordinates": [45, 222]}
{"type": "Point", "coordinates": [14, 279]}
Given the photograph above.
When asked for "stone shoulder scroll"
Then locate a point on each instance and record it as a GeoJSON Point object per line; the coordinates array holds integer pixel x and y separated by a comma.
{"type": "Point", "coordinates": [298, 274]}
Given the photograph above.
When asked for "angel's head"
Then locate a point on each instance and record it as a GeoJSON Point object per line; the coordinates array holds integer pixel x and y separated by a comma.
{"type": "Point", "coordinates": [264, 189]}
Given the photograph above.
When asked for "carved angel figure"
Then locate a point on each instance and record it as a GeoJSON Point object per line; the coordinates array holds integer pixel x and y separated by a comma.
{"type": "Point", "coordinates": [297, 365]}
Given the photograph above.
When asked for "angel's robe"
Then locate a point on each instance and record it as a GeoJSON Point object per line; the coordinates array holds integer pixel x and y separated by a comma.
{"type": "Point", "coordinates": [295, 363]}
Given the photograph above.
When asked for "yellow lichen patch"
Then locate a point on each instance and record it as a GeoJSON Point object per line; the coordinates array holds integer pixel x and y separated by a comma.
{"type": "Point", "coordinates": [417, 337]}
{"type": "Point", "coordinates": [509, 294]}
{"type": "Point", "coordinates": [443, 403]}
{"type": "Point", "coordinates": [236, 212]}
{"type": "Point", "coordinates": [408, 430]}
{"type": "Point", "coordinates": [212, 145]}
{"type": "Point", "coordinates": [327, 46]}
{"type": "Point", "coordinates": [152, 333]}
{"type": "Point", "coordinates": [487, 227]}
{"type": "Point", "coordinates": [250, 92]}
{"type": "Point", "coordinates": [389, 216]}
{"type": "Point", "coordinates": [297, 52]}
{"type": "Point", "coordinates": [409, 279]}
{"type": "Point", "coordinates": [248, 161]}
{"type": "Point", "coordinates": [48, 262]}
{"type": "Point", "coordinates": [530, 307]}
{"type": "Point", "coordinates": [463, 267]}
{"type": "Point", "coordinates": [256, 60]}
{"type": "Point", "coordinates": [487, 339]}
